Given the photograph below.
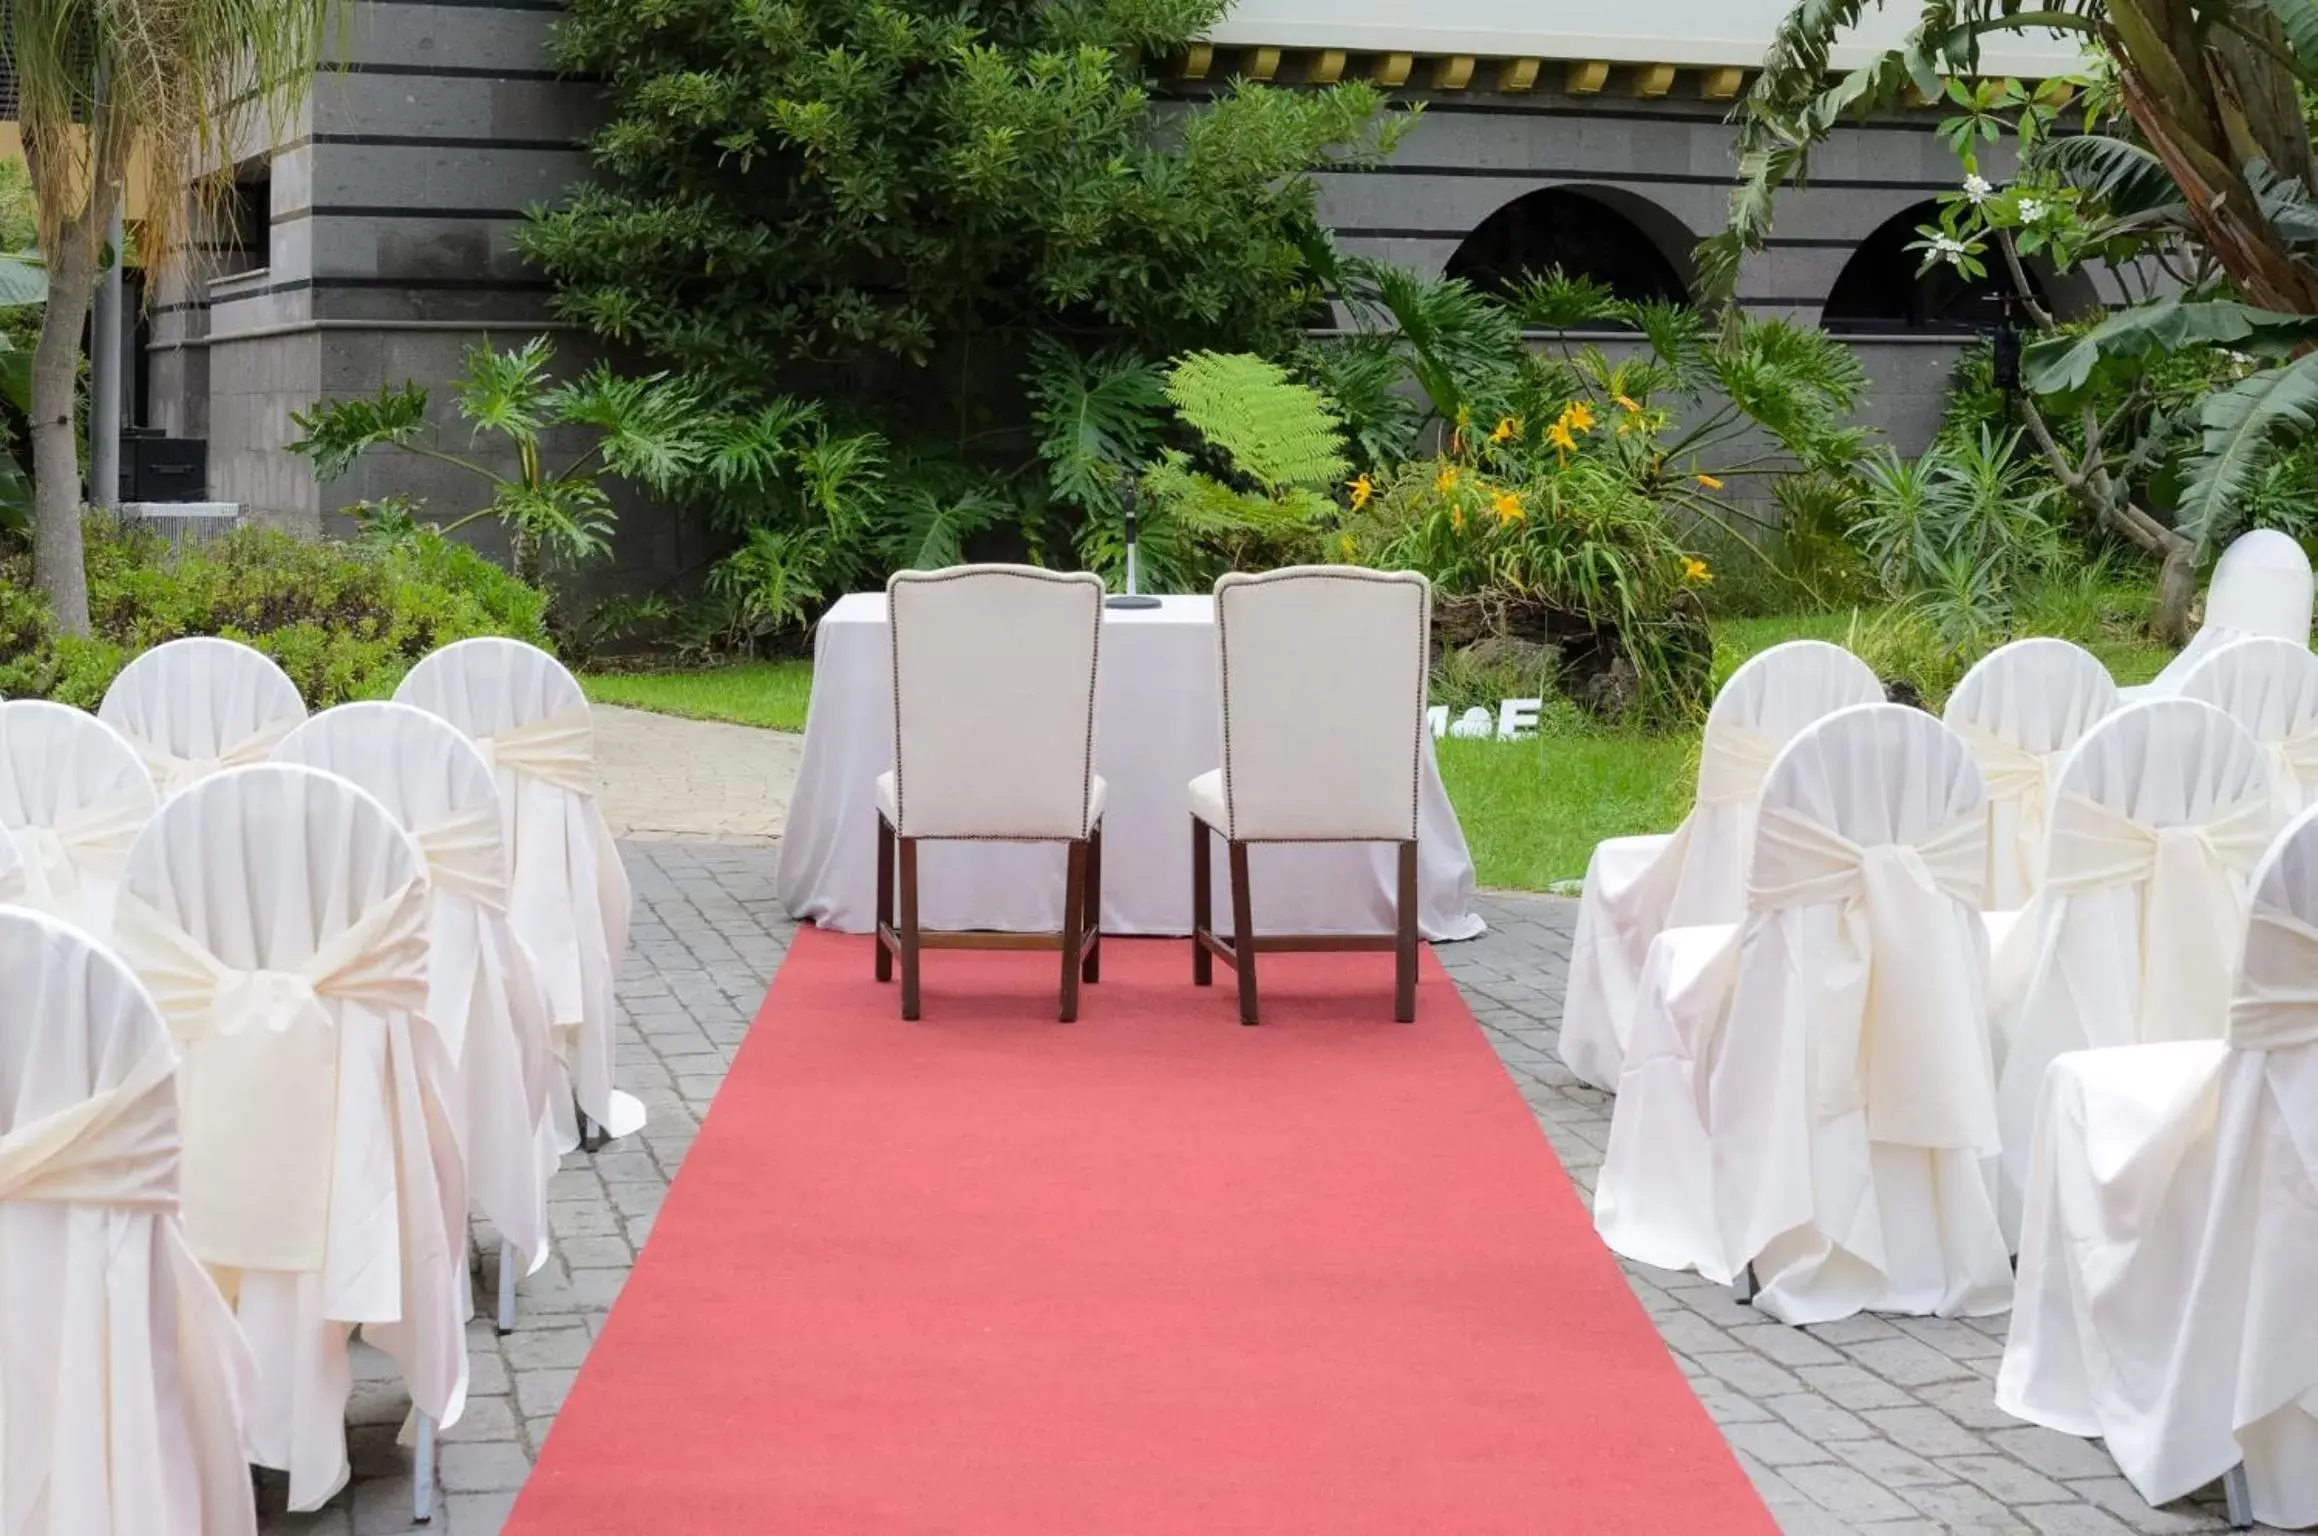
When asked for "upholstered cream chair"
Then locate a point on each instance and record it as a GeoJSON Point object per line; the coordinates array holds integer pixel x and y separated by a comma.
{"type": "Point", "coordinates": [1323, 688]}
{"type": "Point", "coordinates": [994, 674]}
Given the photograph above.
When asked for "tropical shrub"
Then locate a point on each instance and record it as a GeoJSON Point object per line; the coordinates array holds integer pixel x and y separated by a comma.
{"type": "Point", "coordinates": [1961, 530]}
{"type": "Point", "coordinates": [344, 621]}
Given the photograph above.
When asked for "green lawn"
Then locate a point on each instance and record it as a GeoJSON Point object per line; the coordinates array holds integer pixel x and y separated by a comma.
{"type": "Point", "coordinates": [766, 693]}
{"type": "Point", "coordinates": [1532, 810]}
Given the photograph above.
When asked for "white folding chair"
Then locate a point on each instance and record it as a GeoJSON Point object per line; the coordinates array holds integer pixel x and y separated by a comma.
{"type": "Point", "coordinates": [994, 676]}
{"type": "Point", "coordinates": [124, 1375]}
{"type": "Point", "coordinates": [2269, 686]}
{"type": "Point", "coordinates": [482, 994]}
{"type": "Point", "coordinates": [1324, 670]}
{"type": "Point", "coordinates": [73, 797]}
{"type": "Point", "coordinates": [2021, 709]}
{"type": "Point", "coordinates": [2158, 818]}
{"type": "Point", "coordinates": [2261, 586]}
{"type": "Point", "coordinates": [194, 706]}
{"type": "Point", "coordinates": [2169, 1246]}
{"type": "Point", "coordinates": [570, 899]}
{"type": "Point", "coordinates": [1808, 1102]}
{"type": "Point", "coordinates": [279, 917]}
{"type": "Point", "coordinates": [1637, 887]}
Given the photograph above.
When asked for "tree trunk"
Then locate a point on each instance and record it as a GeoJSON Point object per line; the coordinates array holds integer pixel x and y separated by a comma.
{"type": "Point", "coordinates": [2176, 590]}
{"type": "Point", "coordinates": [57, 561]}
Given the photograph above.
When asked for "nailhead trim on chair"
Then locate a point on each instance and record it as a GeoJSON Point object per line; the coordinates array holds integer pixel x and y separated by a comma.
{"type": "Point", "coordinates": [893, 660]}
{"type": "Point", "coordinates": [1223, 667]}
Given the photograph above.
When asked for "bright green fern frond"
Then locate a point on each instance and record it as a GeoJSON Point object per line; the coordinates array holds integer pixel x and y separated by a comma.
{"type": "Point", "coordinates": [1277, 432]}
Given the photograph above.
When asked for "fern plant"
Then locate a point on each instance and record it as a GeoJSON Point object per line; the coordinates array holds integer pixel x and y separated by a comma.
{"type": "Point", "coordinates": [1277, 432]}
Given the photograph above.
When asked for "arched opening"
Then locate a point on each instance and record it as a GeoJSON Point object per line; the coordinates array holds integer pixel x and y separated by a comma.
{"type": "Point", "coordinates": [1627, 244]}
{"type": "Point", "coordinates": [1882, 289]}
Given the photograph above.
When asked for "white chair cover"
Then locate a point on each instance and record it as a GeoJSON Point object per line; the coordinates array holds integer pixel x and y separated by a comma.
{"type": "Point", "coordinates": [279, 917]}
{"type": "Point", "coordinates": [2270, 687]}
{"type": "Point", "coordinates": [73, 797]}
{"type": "Point", "coordinates": [2021, 709]}
{"type": "Point", "coordinates": [1810, 1090]}
{"type": "Point", "coordinates": [1636, 887]}
{"type": "Point", "coordinates": [15, 883]}
{"type": "Point", "coordinates": [2159, 817]}
{"type": "Point", "coordinates": [194, 706]}
{"type": "Point", "coordinates": [2261, 586]}
{"type": "Point", "coordinates": [122, 1376]}
{"type": "Point", "coordinates": [2169, 1254]}
{"type": "Point", "coordinates": [483, 995]}
{"type": "Point", "coordinates": [570, 899]}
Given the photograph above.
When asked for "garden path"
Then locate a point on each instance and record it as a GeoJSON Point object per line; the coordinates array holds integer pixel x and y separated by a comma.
{"type": "Point", "coordinates": [694, 780]}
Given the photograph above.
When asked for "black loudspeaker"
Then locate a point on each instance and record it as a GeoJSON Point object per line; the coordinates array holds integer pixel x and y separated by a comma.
{"type": "Point", "coordinates": [157, 468]}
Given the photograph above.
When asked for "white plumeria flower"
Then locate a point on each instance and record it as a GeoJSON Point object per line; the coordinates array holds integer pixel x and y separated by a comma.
{"type": "Point", "coordinates": [1949, 249]}
{"type": "Point", "coordinates": [1978, 188]}
{"type": "Point", "coordinates": [2031, 210]}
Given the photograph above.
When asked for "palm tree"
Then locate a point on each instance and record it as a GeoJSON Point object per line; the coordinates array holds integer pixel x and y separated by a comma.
{"type": "Point", "coordinates": [183, 80]}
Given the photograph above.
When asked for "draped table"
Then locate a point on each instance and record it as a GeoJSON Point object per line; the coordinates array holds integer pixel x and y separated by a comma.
{"type": "Point", "coordinates": [1157, 725]}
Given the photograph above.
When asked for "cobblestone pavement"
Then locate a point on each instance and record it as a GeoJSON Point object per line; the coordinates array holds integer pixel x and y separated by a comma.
{"type": "Point", "coordinates": [1869, 1425]}
{"type": "Point", "coordinates": [696, 779]}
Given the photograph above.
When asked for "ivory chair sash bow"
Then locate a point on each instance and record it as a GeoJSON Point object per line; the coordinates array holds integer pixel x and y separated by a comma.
{"type": "Point", "coordinates": [193, 707]}
{"type": "Point", "coordinates": [2171, 1233]}
{"type": "Point", "coordinates": [2022, 708]}
{"type": "Point", "coordinates": [279, 917]}
{"type": "Point", "coordinates": [569, 898]}
{"type": "Point", "coordinates": [123, 1379]}
{"type": "Point", "coordinates": [73, 797]}
{"type": "Point", "coordinates": [2270, 687]}
{"type": "Point", "coordinates": [1810, 1092]}
{"type": "Point", "coordinates": [482, 994]}
{"type": "Point", "coordinates": [2159, 816]}
{"type": "Point", "coordinates": [1637, 887]}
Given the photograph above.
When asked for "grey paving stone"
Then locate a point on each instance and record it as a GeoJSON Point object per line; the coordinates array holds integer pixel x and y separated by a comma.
{"type": "Point", "coordinates": [2001, 1477]}
{"type": "Point", "coordinates": [1848, 1492]}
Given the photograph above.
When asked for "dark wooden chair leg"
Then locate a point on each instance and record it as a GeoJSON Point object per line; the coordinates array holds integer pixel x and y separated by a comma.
{"type": "Point", "coordinates": [1243, 932]}
{"type": "Point", "coordinates": [1404, 995]}
{"type": "Point", "coordinates": [1202, 904]}
{"type": "Point", "coordinates": [884, 896]}
{"type": "Point", "coordinates": [1093, 968]}
{"type": "Point", "coordinates": [908, 932]}
{"type": "Point", "coordinates": [1074, 906]}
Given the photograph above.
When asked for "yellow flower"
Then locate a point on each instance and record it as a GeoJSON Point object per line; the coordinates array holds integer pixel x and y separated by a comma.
{"type": "Point", "coordinates": [1446, 480]}
{"type": "Point", "coordinates": [1457, 518]}
{"type": "Point", "coordinates": [1507, 507]}
{"type": "Point", "coordinates": [1578, 415]}
{"type": "Point", "coordinates": [1362, 489]}
{"type": "Point", "coordinates": [1696, 571]}
{"type": "Point", "coordinates": [1506, 427]}
{"type": "Point", "coordinates": [1710, 482]}
{"type": "Point", "coordinates": [1560, 440]}
{"type": "Point", "coordinates": [1628, 404]}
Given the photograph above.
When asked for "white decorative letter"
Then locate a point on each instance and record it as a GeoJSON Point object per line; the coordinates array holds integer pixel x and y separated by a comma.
{"type": "Point", "coordinates": [1517, 718]}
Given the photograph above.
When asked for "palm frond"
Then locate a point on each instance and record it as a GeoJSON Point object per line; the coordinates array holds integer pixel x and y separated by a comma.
{"type": "Point", "coordinates": [2128, 179]}
{"type": "Point", "coordinates": [2243, 428]}
{"type": "Point", "coordinates": [2065, 364]}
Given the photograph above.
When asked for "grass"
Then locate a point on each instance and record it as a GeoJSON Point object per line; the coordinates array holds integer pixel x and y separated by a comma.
{"type": "Point", "coordinates": [1533, 810]}
{"type": "Point", "coordinates": [772, 694]}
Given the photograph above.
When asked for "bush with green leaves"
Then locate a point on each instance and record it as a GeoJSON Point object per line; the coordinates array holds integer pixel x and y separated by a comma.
{"type": "Point", "coordinates": [345, 621]}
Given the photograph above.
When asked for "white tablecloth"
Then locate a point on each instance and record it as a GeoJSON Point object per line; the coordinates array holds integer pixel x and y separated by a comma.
{"type": "Point", "coordinates": [1158, 729]}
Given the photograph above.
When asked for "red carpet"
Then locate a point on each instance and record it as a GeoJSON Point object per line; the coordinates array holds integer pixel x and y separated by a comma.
{"type": "Point", "coordinates": [1152, 1273]}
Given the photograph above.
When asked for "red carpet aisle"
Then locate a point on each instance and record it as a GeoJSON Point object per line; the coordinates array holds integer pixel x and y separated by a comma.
{"type": "Point", "coordinates": [1149, 1273]}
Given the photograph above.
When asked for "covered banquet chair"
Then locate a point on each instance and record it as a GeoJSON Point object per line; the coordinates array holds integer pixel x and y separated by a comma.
{"type": "Point", "coordinates": [2170, 1243]}
{"type": "Point", "coordinates": [194, 706]}
{"type": "Point", "coordinates": [73, 797]}
{"type": "Point", "coordinates": [1323, 671]}
{"type": "Point", "coordinates": [123, 1379]}
{"type": "Point", "coordinates": [2157, 821]}
{"type": "Point", "coordinates": [1808, 1099]}
{"type": "Point", "coordinates": [569, 899]}
{"type": "Point", "coordinates": [2021, 709]}
{"type": "Point", "coordinates": [1637, 887]}
{"type": "Point", "coordinates": [2261, 586]}
{"type": "Point", "coordinates": [482, 994]}
{"type": "Point", "coordinates": [2269, 686]}
{"type": "Point", "coordinates": [278, 915]}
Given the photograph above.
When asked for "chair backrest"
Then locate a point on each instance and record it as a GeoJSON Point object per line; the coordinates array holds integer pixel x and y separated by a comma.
{"type": "Point", "coordinates": [1874, 775]}
{"type": "Point", "coordinates": [193, 706]}
{"type": "Point", "coordinates": [419, 766]}
{"type": "Point", "coordinates": [2269, 686]}
{"type": "Point", "coordinates": [2261, 586]}
{"type": "Point", "coordinates": [491, 685]}
{"type": "Point", "coordinates": [2274, 1004]}
{"type": "Point", "coordinates": [995, 669]}
{"type": "Point", "coordinates": [73, 797]}
{"type": "Point", "coordinates": [2164, 762]}
{"type": "Point", "coordinates": [1767, 702]}
{"type": "Point", "coordinates": [1324, 670]}
{"type": "Point", "coordinates": [2022, 708]}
